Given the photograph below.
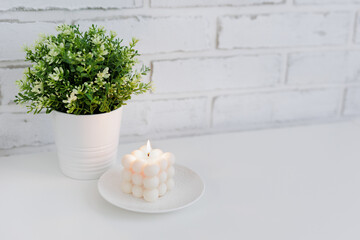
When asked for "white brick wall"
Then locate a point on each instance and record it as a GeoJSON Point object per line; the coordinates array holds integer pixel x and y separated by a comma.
{"type": "Point", "coordinates": [352, 102]}
{"type": "Point", "coordinates": [214, 3]}
{"type": "Point", "coordinates": [18, 130]}
{"type": "Point", "coordinates": [284, 30]}
{"type": "Point", "coordinates": [238, 111]}
{"type": "Point", "coordinates": [8, 87]}
{"type": "Point", "coordinates": [15, 35]}
{"type": "Point", "coordinates": [182, 34]}
{"type": "Point", "coordinates": [164, 116]}
{"type": "Point", "coordinates": [135, 119]}
{"type": "Point", "coordinates": [67, 4]}
{"type": "Point", "coordinates": [323, 67]}
{"type": "Point", "coordinates": [177, 115]}
{"type": "Point", "coordinates": [202, 74]}
{"type": "Point", "coordinates": [217, 65]}
{"type": "Point", "coordinates": [326, 1]}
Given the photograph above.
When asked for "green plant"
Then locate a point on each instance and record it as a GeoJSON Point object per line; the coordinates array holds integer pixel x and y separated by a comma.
{"type": "Point", "coordinates": [80, 72]}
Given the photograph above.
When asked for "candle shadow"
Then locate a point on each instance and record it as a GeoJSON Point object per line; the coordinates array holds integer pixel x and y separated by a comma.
{"type": "Point", "coordinates": [101, 206]}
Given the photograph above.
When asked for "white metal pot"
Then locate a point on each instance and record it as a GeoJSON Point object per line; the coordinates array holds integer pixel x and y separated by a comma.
{"type": "Point", "coordinates": [87, 144]}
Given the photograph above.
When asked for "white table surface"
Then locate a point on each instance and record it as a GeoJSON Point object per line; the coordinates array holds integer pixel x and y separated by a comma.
{"type": "Point", "coordinates": [299, 183]}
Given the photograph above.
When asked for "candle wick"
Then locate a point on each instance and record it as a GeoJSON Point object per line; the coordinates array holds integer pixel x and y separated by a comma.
{"type": "Point", "coordinates": [148, 154]}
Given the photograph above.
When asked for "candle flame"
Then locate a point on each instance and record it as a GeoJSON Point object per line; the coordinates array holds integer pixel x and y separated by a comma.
{"type": "Point", "coordinates": [148, 148]}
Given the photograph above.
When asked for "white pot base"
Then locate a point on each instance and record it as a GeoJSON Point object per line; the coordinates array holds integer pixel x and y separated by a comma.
{"type": "Point", "coordinates": [86, 175]}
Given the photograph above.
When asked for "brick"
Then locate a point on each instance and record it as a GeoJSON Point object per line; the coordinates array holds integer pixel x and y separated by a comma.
{"type": "Point", "coordinates": [141, 118]}
{"type": "Point", "coordinates": [283, 30]}
{"type": "Point", "coordinates": [202, 3]}
{"type": "Point", "coordinates": [25, 130]}
{"type": "Point", "coordinates": [134, 119]}
{"type": "Point", "coordinates": [15, 35]}
{"type": "Point", "coordinates": [161, 34]}
{"type": "Point", "coordinates": [204, 74]}
{"type": "Point", "coordinates": [352, 101]}
{"type": "Point", "coordinates": [299, 2]}
{"type": "Point", "coordinates": [8, 87]}
{"type": "Point", "coordinates": [236, 111]}
{"type": "Point", "coordinates": [324, 67]}
{"type": "Point", "coordinates": [174, 115]}
{"type": "Point", "coordinates": [67, 4]}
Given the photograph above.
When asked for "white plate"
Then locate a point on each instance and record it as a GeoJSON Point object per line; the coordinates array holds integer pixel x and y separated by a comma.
{"type": "Point", "coordinates": [188, 189]}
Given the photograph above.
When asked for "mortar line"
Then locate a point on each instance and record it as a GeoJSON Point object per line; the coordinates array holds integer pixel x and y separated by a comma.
{"type": "Point", "coordinates": [343, 102]}
{"type": "Point", "coordinates": [283, 69]}
{"type": "Point", "coordinates": [353, 33]}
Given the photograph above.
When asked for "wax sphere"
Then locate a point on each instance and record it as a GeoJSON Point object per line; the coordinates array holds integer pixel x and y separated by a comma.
{"type": "Point", "coordinates": [137, 191]}
{"type": "Point", "coordinates": [126, 187]}
{"type": "Point", "coordinates": [127, 160]}
{"type": "Point", "coordinates": [163, 163]}
{"type": "Point", "coordinates": [170, 184]}
{"type": "Point", "coordinates": [138, 165]}
{"type": "Point", "coordinates": [143, 148]}
{"type": "Point", "coordinates": [137, 179]}
{"type": "Point", "coordinates": [139, 154]}
{"type": "Point", "coordinates": [155, 153]}
{"type": "Point", "coordinates": [152, 182]}
{"type": "Point", "coordinates": [170, 157]}
{"type": "Point", "coordinates": [163, 176]}
{"type": "Point", "coordinates": [151, 170]}
{"type": "Point", "coordinates": [171, 172]}
{"type": "Point", "coordinates": [126, 175]}
{"type": "Point", "coordinates": [162, 189]}
{"type": "Point", "coordinates": [151, 195]}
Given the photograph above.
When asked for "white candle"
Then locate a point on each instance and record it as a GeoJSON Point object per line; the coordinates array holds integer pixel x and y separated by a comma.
{"type": "Point", "coordinates": [148, 173]}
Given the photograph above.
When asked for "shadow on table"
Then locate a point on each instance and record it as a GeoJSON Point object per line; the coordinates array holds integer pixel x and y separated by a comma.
{"type": "Point", "coordinates": [101, 206]}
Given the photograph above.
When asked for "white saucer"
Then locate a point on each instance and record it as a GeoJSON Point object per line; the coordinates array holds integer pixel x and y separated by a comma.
{"type": "Point", "coordinates": [189, 187]}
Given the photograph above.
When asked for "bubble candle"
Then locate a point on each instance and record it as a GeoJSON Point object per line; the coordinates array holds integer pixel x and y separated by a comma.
{"type": "Point", "coordinates": [148, 173]}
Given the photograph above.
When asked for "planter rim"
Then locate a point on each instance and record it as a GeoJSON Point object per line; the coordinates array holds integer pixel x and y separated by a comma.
{"type": "Point", "coordinates": [87, 115]}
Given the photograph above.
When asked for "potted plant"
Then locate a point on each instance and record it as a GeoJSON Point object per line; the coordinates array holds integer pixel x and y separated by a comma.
{"type": "Point", "coordinates": [84, 78]}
